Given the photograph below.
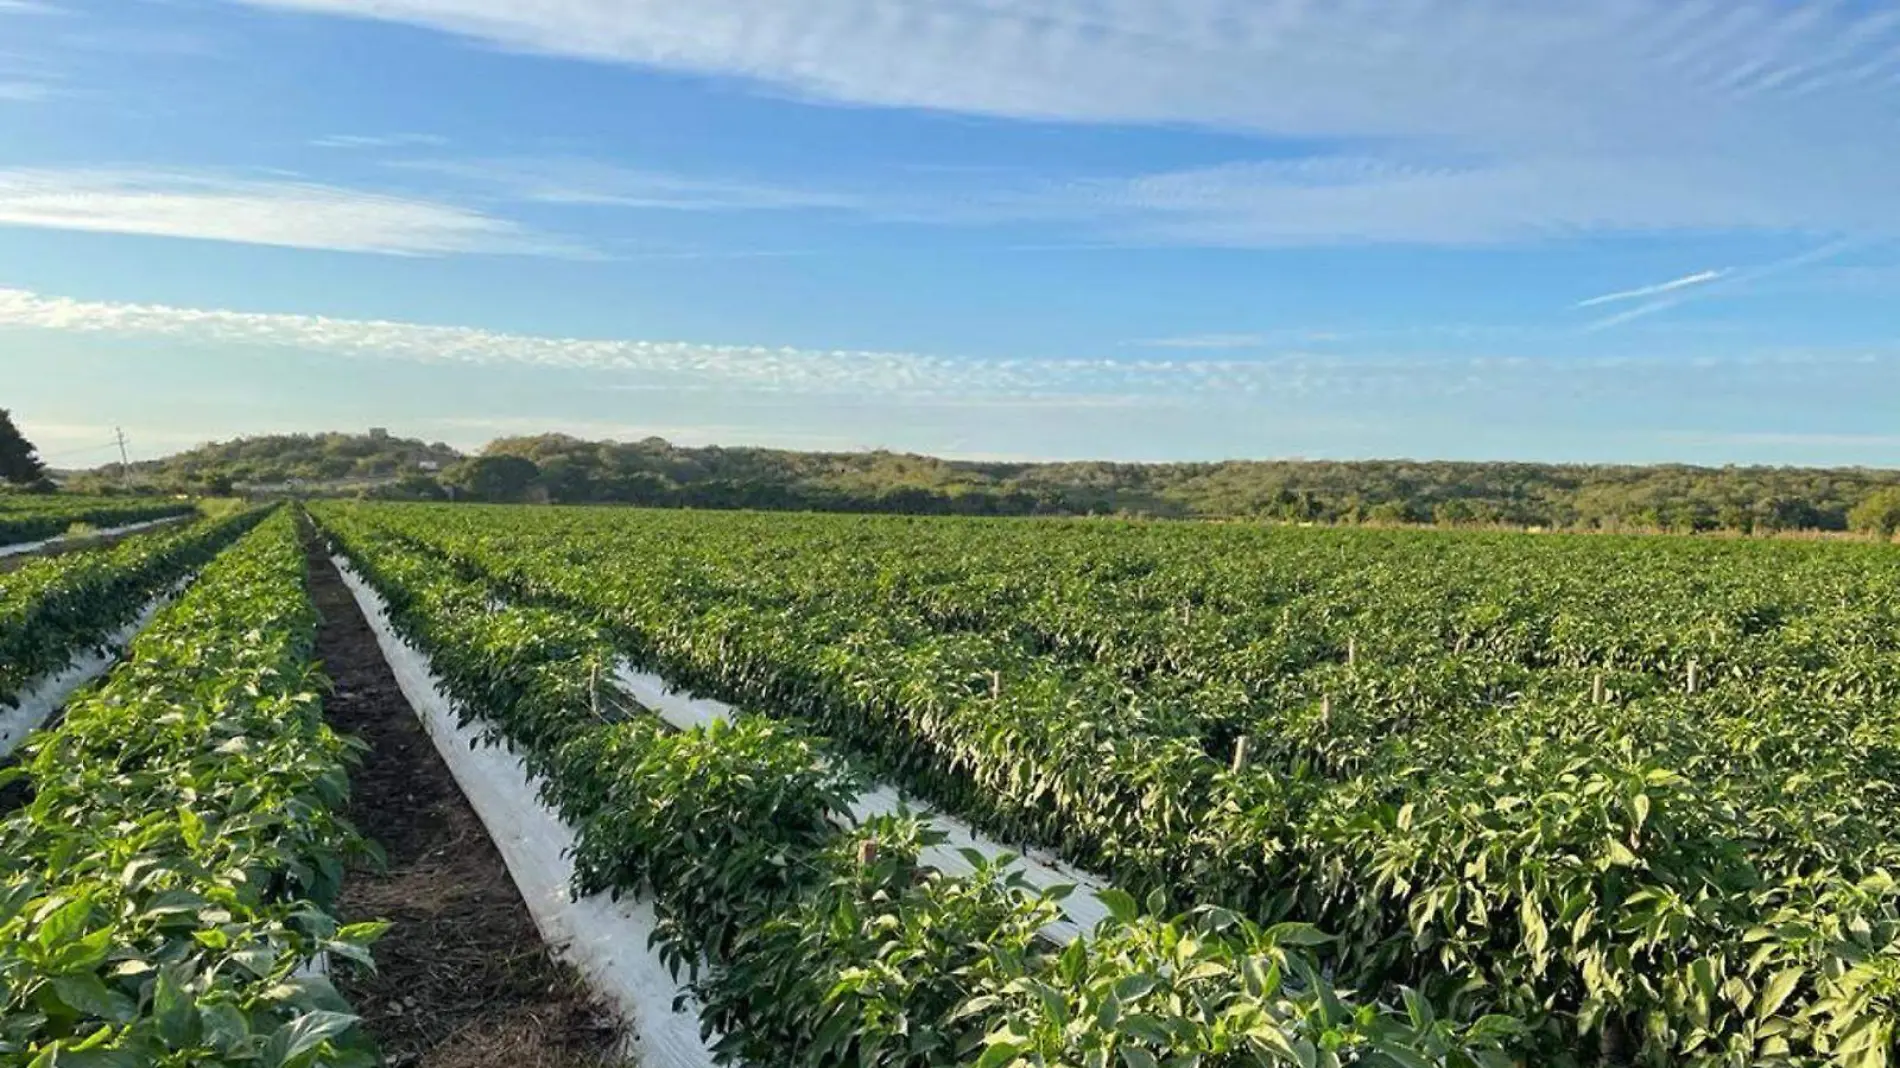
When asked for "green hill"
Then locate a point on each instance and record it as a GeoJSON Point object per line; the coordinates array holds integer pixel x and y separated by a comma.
{"type": "Point", "coordinates": [654, 472]}
{"type": "Point", "coordinates": [277, 461]}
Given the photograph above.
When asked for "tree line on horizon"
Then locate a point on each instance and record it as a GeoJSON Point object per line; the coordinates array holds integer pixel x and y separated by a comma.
{"type": "Point", "coordinates": [555, 468]}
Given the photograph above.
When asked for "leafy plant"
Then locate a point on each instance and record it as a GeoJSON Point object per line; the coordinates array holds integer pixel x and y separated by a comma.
{"type": "Point", "coordinates": [53, 609]}
{"type": "Point", "coordinates": [742, 838]}
{"type": "Point", "coordinates": [164, 894]}
{"type": "Point", "coordinates": [36, 518]}
{"type": "Point", "coordinates": [1621, 789]}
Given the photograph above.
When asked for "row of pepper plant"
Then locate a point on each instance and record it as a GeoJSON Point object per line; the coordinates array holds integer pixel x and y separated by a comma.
{"type": "Point", "coordinates": [25, 518]}
{"type": "Point", "coordinates": [53, 609]}
{"type": "Point", "coordinates": [812, 942]}
{"type": "Point", "coordinates": [1641, 793]}
{"type": "Point", "coordinates": [164, 894]}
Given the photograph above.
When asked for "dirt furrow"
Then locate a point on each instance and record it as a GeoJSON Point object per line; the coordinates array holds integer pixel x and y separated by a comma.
{"type": "Point", "coordinates": [463, 978]}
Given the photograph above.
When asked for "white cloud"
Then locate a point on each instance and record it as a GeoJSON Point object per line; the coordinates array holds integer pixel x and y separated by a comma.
{"type": "Point", "coordinates": [673, 361]}
{"type": "Point", "coordinates": [1682, 291]}
{"type": "Point", "coordinates": [1697, 279]}
{"type": "Point", "coordinates": [685, 365]}
{"type": "Point", "coordinates": [675, 365]}
{"type": "Point", "coordinates": [1641, 311]}
{"type": "Point", "coordinates": [23, 92]}
{"type": "Point", "coordinates": [285, 213]}
{"type": "Point", "coordinates": [1474, 120]}
{"type": "Point", "coordinates": [1499, 201]}
{"type": "Point", "coordinates": [399, 140]}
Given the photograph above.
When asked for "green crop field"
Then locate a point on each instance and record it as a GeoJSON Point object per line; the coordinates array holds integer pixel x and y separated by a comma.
{"type": "Point", "coordinates": [1391, 798]}
{"type": "Point", "coordinates": [164, 885]}
{"type": "Point", "coordinates": [1636, 795]}
{"type": "Point", "coordinates": [27, 517]}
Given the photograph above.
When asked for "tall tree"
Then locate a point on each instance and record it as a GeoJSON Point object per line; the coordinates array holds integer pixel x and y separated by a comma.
{"type": "Point", "coordinates": [19, 463]}
{"type": "Point", "coordinates": [1878, 515]}
{"type": "Point", "coordinates": [494, 478]}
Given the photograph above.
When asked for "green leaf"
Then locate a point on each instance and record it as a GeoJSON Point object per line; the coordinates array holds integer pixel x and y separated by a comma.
{"type": "Point", "coordinates": [191, 826]}
{"type": "Point", "coordinates": [1776, 993]}
{"type": "Point", "coordinates": [1120, 904]}
{"type": "Point", "coordinates": [224, 1026]}
{"type": "Point", "coordinates": [303, 1035]}
{"type": "Point", "coordinates": [1536, 935]}
{"type": "Point", "coordinates": [98, 1058]}
{"type": "Point", "coordinates": [84, 954]}
{"type": "Point", "coordinates": [173, 1009]}
{"type": "Point", "coordinates": [1136, 1057]}
{"type": "Point", "coordinates": [63, 924]}
{"type": "Point", "coordinates": [826, 1043]}
{"type": "Point", "coordinates": [999, 1052]}
{"type": "Point", "coordinates": [1297, 934]}
{"type": "Point", "coordinates": [1405, 1056]}
{"type": "Point", "coordinates": [89, 995]}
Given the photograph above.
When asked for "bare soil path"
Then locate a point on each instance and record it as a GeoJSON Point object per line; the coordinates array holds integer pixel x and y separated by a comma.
{"type": "Point", "coordinates": [464, 980]}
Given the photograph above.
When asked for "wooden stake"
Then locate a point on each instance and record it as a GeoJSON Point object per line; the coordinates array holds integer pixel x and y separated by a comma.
{"type": "Point", "coordinates": [593, 689]}
{"type": "Point", "coordinates": [1326, 710]}
{"type": "Point", "coordinates": [1596, 689]}
{"type": "Point", "coordinates": [1241, 747]}
{"type": "Point", "coordinates": [1352, 652]}
{"type": "Point", "coordinates": [1694, 666]}
{"type": "Point", "coordinates": [996, 685]}
{"type": "Point", "coordinates": [867, 853]}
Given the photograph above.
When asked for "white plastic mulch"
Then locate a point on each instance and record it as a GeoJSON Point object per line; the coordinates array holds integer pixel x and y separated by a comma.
{"type": "Point", "coordinates": [605, 940]}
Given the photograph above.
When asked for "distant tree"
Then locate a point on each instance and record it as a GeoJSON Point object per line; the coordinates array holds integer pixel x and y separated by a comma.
{"type": "Point", "coordinates": [406, 488]}
{"type": "Point", "coordinates": [570, 478]}
{"type": "Point", "coordinates": [19, 463]}
{"type": "Point", "coordinates": [1878, 514]}
{"type": "Point", "coordinates": [1388, 512]}
{"type": "Point", "coordinates": [494, 478]}
{"type": "Point", "coordinates": [1786, 513]}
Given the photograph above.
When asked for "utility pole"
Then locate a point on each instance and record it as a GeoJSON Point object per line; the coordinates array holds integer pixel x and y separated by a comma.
{"type": "Point", "coordinates": [125, 465]}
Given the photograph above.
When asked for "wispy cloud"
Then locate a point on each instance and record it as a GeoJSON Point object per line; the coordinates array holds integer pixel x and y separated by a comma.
{"type": "Point", "coordinates": [676, 365]}
{"type": "Point", "coordinates": [581, 182]}
{"type": "Point", "coordinates": [26, 7]}
{"type": "Point", "coordinates": [656, 362]}
{"type": "Point", "coordinates": [397, 140]}
{"type": "Point", "coordinates": [1697, 279]}
{"type": "Point", "coordinates": [1476, 120]}
{"type": "Point", "coordinates": [1204, 341]}
{"type": "Point", "coordinates": [112, 40]}
{"type": "Point", "coordinates": [1676, 294]}
{"type": "Point", "coordinates": [23, 92]}
{"type": "Point", "coordinates": [1236, 342]}
{"type": "Point", "coordinates": [1641, 311]}
{"type": "Point", "coordinates": [1496, 200]}
{"type": "Point", "coordinates": [284, 213]}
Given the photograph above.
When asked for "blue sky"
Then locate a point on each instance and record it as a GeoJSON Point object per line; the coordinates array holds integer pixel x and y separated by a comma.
{"type": "Point", "coordinates": [1133, 229]}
